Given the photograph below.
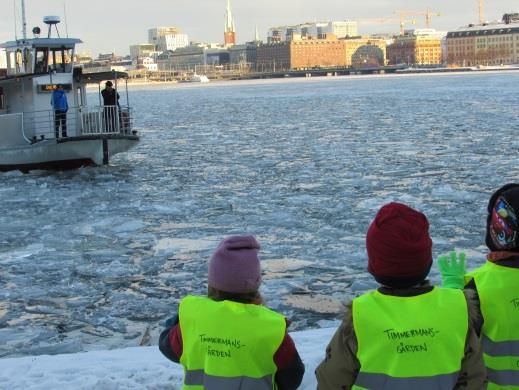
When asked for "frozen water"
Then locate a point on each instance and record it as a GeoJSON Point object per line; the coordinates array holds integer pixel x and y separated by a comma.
{"type": "Point", "coordinates": [90, 258]}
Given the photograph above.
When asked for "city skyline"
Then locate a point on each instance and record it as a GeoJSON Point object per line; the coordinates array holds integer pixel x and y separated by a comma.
{"type": "Point", "coordinates": [116, 27]}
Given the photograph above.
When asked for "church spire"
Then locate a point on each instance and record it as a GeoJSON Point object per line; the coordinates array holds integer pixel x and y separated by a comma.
{"type": "Point", "coordinates": [229, 19]}
{"type": "Point", "coordinates": [230, 28]}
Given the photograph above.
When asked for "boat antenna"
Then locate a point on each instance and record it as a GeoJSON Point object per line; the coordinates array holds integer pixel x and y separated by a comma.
{"type": "Point", "coordinates": [15, 24]}
{"type": "Point", "coordinates": [65, 15]}
{"type": "Point", "coordinates": [24, 22]}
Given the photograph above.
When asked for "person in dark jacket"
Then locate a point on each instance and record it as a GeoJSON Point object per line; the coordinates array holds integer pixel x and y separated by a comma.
{"type": "Point", "coordinates": [111, 106]}
{"type": "Point", "coordinates": [230, 337]}
{"type": "Point", "coordinates": [59, 104]}
{"type": "Point", "coordinates": [495, 284]}
{"type": "Point", "coordinates": [406, 334]}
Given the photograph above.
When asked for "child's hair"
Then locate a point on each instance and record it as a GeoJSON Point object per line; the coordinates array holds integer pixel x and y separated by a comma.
{"type": "Point", "coordinates": [218, 295]}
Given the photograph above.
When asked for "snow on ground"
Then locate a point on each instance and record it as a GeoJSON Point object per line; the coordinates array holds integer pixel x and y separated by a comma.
{"type": "Point", "coordinates": [130, 368]}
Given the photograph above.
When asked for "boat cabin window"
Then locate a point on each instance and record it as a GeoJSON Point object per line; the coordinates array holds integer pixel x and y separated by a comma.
{"type": "Point", "coordinates": [19, 61]}
{"type": "Point", "coordinates": [41, 59]}
{"type": "Point", "coordinates": [58, 60]}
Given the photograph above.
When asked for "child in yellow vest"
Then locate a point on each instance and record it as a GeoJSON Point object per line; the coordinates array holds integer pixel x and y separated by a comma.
{"type": "Point", "coordinates": [407, 334]}
{"type": "Point", "coordinates": [229, 340]}
{"type": "Point", "coordinates": [497, 285]}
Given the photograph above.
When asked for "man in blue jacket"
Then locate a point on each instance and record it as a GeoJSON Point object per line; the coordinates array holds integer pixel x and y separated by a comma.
{"type": "Point", "coordinates": [60, 105]}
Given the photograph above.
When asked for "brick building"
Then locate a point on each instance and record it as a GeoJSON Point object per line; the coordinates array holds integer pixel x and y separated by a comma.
{"type": "Point", "coordinates": [301, 54]}
{"type": "Point", "coordinates": [364, 52]}
{"type": "Point", "coordinates": [417, 47]}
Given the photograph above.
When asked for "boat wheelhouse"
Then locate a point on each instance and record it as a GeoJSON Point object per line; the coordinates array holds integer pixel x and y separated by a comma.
{"type": "Point", "coordinates": [29, 125]}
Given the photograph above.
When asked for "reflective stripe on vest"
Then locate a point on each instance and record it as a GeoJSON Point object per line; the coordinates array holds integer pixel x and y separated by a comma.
{"type": "Point", "coordinates": [410, 342]}
{"type": "Point", "coordinates": [503, 377]}
{"type": "Point", "coordinates": [381, 381]}
{"type": "Point", "coordinates": [200, 378]}
{"type": "Point", "coordinates": [229, 345]}
{"type": "Point", "coordinates": [499, 300]}
{"type": "Point", "coordinates": [500, 348]}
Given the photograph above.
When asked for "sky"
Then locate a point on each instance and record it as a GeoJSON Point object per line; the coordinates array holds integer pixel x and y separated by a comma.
{"type": "Point", "coordinates": [113, 25]}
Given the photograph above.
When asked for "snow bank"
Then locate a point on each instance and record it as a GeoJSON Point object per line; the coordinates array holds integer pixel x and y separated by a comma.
{"type": "Point", "coordinates": [131, 368]}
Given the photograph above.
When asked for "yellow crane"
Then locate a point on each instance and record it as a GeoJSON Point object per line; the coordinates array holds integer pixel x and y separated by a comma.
{"type": "Point", "coordinates": [481, 12]}
{"type": "Point", "coordinates": [401, 21]}
{"type": "Point", "coordinates": [428, 15]}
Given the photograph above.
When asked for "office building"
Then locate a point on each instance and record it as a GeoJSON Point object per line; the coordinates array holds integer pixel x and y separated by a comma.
{"type": "Point", "coordinates": [142, 50]}
{"type": "Point", "coordinates": [417, 47]}
{"type": "Point", "coordinates": [486, 44]}
{"type": "Point", "coordinates": [244, 54]}
{"type": "Point", "coordinates": [301, 54]}
{"type": "Point", "coordinates": [340, 29]}
{"type": "Point", "coordinates": [365, 52]}
{"type": "Point", "coordinates": [167, 38]}
{"type": "Point", "coordinates": [193, 57]}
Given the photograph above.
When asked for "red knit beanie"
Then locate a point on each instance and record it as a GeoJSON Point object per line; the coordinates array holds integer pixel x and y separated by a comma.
{"type": "Point", "coordinates": [399, 246]}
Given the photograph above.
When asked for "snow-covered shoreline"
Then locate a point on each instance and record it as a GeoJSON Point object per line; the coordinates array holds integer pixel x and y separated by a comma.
{"type": "Point", "coordinates": [129, 368]}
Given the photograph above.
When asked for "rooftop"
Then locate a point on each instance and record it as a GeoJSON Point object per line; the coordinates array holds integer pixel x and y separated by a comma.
{"type": "Point", "coordinates": [492, 28]}
{"type": "Point", "coordinates": [39, 42]}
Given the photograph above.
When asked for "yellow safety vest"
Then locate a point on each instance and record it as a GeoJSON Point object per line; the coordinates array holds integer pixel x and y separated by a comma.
{"type": "Point", "coordinates": [410, 343]}
{"type": "Point", "coordinates": [229, 345]}
{"type": "Point", "coordinates": [498, 289]}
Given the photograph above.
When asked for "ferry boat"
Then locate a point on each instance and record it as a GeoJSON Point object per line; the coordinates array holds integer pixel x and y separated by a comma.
{"type": "Point", "coordinates": [30, 136]}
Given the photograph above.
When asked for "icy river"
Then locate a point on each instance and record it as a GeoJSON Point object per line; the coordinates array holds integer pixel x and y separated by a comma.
{"type": "Point", "coordinates": [97, 258]}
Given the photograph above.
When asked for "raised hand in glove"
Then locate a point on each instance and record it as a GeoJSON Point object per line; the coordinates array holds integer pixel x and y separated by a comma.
{"type": "Point", "coordinates": [452, 269]}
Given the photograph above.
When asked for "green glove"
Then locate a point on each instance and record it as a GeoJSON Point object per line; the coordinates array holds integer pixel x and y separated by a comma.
{"type": "Point", "coordinates": [452, 270]}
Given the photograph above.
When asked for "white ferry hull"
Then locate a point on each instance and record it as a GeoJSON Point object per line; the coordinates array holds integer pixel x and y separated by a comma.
{"type": "Point", "coordinates": [66, 153]}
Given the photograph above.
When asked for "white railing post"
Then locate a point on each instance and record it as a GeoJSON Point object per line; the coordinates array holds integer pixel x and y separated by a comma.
{"type": "Point", "coordinates": [52, 121]}
{"type": "Point", "coordinates": [117, 119]}
{"type": "Point", "coordinates": [22, 115]}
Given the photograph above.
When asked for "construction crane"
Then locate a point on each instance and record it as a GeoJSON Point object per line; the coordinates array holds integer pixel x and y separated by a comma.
{"type": "Point", "coordinates": [401, 21]}
{"type": "Point", "coordinates": [481, 12]}
{"type": "Point", "coordinates": [428, 15]}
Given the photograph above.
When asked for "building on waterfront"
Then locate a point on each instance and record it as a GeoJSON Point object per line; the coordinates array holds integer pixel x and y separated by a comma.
{"type": "Point", "coordinates": [301, 54]}
{"type": "Point", "coordinates": [167, 38]}
{"type": "Point", "coordinates": [229, 34]}
{"type": "Point", "coordinates": [316, 30]}
{"type": "Point", "coordinates": [108, 57]}
{"type": "Point", "coordinates": [365, 52]}
{"type": "Point", "coordinates": [193, 57]}
{"type": "Point", "coordinates": [417, 47]}
{"type": "Point", "coordinates": [487, 44]}
{"type": "Point", "coordinates": [147, 63]}
{"type": "Point", "coordinates": [82, 58]}
{"type": "Point", "coordinates": [155, 33]}
{"type": "Point", "coordinates": [246, 54]}
{"type": "Point", "coordinates": [142, 50]}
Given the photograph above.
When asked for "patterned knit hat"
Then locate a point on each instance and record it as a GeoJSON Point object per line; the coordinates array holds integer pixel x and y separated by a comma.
{"type": "Point", "coordinates": [502, 220]}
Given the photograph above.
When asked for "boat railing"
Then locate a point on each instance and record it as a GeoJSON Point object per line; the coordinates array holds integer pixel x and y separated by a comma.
{"type": "Point", "coordinates": [77, 121]}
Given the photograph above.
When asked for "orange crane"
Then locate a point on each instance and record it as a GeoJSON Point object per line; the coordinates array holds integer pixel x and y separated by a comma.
{"type": "Point", "coordinates": [428, 15]}
{"type": "Point", "coordinates": [401, 21]}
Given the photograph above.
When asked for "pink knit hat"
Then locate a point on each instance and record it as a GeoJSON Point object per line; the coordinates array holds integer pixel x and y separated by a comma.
{"type": "Point", "coordinates": [235, 265]}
